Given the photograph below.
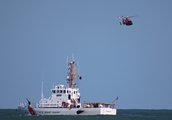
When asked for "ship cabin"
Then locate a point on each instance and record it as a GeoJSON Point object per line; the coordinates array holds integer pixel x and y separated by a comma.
{"type": "Point", "coordinates": [62, 97]}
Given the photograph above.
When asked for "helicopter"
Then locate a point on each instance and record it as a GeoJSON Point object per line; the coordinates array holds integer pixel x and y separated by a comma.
{"type": "Point", "coordinates": [126, 20]}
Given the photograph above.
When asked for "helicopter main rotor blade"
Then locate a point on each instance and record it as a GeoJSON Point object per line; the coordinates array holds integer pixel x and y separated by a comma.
{"type": "Point", "coordinates": [120, 17]}
{"type": "Point", "coordinates": [132, 16]}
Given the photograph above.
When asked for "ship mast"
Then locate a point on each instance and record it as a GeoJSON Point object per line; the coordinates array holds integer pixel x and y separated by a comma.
{"type": "Point", "coordinates": [72, 74]}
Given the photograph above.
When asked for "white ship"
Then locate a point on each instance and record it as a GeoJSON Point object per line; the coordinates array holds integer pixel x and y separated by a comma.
{"type": "Point", "coordinates": [66, 101]}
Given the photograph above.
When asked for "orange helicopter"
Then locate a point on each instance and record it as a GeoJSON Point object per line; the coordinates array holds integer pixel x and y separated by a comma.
{"type": "Point", "coordinates": [126, 20]}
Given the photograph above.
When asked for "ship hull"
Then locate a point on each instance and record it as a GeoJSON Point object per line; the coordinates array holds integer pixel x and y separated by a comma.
{"type": "Point", "coordinates": [68, 111]}
{"type": "Point", "coordinates": [97, 111]}
{"type": "Point", "coordinates": [23, 111]}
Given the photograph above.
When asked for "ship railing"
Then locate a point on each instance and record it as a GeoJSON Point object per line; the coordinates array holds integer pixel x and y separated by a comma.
{"type": "Point", "coordinates": [22, 104]}
{"type": "Point", "coordinates": [98, 105]}
{"type": "Point", "coordinates": [25, 105]}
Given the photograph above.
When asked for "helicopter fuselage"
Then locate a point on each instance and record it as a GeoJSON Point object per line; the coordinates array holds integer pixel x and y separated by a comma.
{"type": "Point", "coordinates": [127, 21]}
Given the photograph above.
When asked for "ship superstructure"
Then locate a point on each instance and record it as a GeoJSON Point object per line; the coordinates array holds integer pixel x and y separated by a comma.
{"type": "Point", "coordinates": [62, 96]}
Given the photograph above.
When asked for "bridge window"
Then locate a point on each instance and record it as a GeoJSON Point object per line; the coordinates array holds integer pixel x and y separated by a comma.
{"type": "Point", "coordinates": [60, 91]}
{"type": "Point", "coordinates": [53, 91]}
{"type": "Point", "coordinates": [64, 91]}
{"type": "Point", "coordinates": [58, 95]}
{"type": "Point", "coordinates": [57, 91]}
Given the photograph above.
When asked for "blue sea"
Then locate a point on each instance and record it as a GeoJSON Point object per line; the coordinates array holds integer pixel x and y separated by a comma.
{"type": "Point", "coordinates": [129, 114]}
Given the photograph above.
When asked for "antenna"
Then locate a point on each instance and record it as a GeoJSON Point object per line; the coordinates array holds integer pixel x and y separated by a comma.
{"type": "Point", "coordinates": [78, 66]}
{"type": "Point", "coordinates": [42, 96]}
{"type": "Point", "coordinates": [43, 75]}
{"type": "Point", "coordinates": [67, 61]}
{"type": "Point", "coordinates": [73, 57]}
{"type": "Point", "coordinates": [115, 99]}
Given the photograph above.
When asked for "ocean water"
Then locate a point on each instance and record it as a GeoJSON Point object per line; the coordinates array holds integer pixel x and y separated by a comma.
{"type": "Point", "coordinates": [130, 114]}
